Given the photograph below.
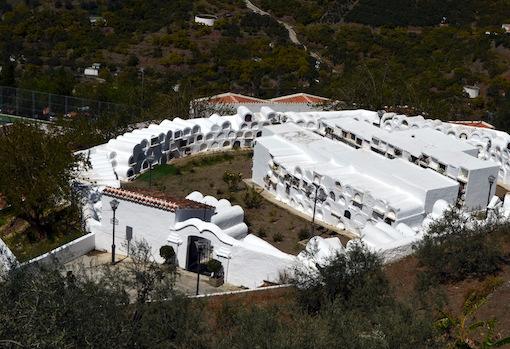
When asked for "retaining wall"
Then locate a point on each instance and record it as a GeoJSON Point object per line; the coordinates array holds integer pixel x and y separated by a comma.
{"type": "Point", "coordinates": [67, 252]}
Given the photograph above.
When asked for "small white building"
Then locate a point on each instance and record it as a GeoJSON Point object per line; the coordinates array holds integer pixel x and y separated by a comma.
{"type": "Point", "coordinates": [472, 91]}
{"type": "Point", "coordinates": [163, 220]}
{"type": "Point", "coordinates": [206, 19]}
{"type": "Point", "coordinates": [92, 71]}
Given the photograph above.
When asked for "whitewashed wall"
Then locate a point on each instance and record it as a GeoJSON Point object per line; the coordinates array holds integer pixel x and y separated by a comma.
{"type": "Point", "coordinates": [67, 252]}
{"type": "Point", "coordinates": [7, 258]}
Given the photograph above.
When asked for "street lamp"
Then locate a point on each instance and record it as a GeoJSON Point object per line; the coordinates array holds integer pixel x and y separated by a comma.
{"type": "Point", "coordinates": [318, 196]}
{"type": "Point", "coordinates": [491, 180]}
{"type": "Point", "coordinates": [150, 158]}
{"type": "Point", "coordinates": [200, 246]}
{"type": "Point", "coordinates": [114, 205]}
{"type": "Point", "coordinates": [380, 114]}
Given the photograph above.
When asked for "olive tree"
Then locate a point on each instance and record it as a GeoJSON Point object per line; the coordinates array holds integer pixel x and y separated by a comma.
{"type": "Point", "coordinates": [36, 168]}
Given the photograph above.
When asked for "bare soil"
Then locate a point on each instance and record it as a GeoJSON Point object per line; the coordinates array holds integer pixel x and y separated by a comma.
{"type": "Point", "coordinates": [204, 173]}
{"type": "Point", "coordinates": [402, 275]}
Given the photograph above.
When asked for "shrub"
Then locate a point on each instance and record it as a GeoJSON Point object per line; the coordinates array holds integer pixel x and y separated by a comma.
{"type": "Point", "coordinates": [253, 198]}
{"type": "Point", "coordinates": [277, 237]}
{"type": "Point", "coordinates": [272, 216]}
{"type": "Point", "coordinates": [303, 233]}
{"type": "Point", "coordinates": [232, 179]}
{"type": "Point", "coordinates": [132, 61]}
{"type": "Point", "coordinates": [262, 233]}
{"type": "Point", "coordinates": [466, 326]}
{"type": "Point", "coordinates": [215, 267]}
{"type": "Point", "coordinates": [457, 247]}
{"type": "Point", "coordinates": [167, 253]}
{"type": "Point", "coordinates": [354, 279]}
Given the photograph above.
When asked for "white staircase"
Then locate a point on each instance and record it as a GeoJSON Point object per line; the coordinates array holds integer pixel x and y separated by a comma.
{"type": "Point", "coordinates": [100, 173]}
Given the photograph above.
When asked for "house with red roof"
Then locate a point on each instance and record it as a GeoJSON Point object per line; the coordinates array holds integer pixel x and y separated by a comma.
{"type": "Point", "coordinates": [300, 98]}
{"type": "Point", "coordinates": [297, 102]}
{"type": "Point", "coordinates": [479, 124]}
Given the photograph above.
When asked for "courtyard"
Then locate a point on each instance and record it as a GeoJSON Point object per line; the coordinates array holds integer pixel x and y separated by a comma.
{"type": "Point", "coordinates": [204, 173]}
{"type": "Point", "coordinates": [186, 282]}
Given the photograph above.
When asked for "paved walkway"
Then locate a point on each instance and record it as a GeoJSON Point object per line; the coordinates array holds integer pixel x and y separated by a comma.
{"type": "Point", "coordinates": [186, 281]}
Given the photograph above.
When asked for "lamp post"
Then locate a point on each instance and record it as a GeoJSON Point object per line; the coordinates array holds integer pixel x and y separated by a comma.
{"type": "Point", "coordinates": [150, 158]}
{"type": "Point", "coordinates": [491, 180]}
{"type": "Point", "coordinates": [199, 245]}
{"type": "Point", "coordinates": [321, 198]}
{"type": "Point", "coordinates": [114, 205]}
{"type": "Point", "coordinates": [380, 114]}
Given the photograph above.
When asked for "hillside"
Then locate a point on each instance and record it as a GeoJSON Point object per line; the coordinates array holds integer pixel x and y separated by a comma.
{"type": "Point", "coordinates": [409, 53]}
{"type": "Point", "coordinates": [413, 56]}
{"type": "Point", "coordinates": [46, 45]}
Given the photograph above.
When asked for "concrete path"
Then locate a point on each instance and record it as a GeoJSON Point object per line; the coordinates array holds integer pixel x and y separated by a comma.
{"type": "Point", "coordinates": [186, 281]}
{"type": "Point", "coordinates": [290, 29]}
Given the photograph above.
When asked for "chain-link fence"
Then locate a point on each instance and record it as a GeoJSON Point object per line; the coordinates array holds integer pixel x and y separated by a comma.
{"type": "Point", "coordinates": [42, 105]}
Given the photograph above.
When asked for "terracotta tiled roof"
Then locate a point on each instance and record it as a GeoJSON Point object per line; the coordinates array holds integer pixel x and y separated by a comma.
{"type": "Point", "coordinates": [154, 198]}
{"type": "Point", "coordinates": [229, 97]}
{"type": "Point", "coordinates": [299, 98]}
{"type": "Point", "coordinates": [235, 98]}
{"type": "Point", "coordinates": [481, 124]}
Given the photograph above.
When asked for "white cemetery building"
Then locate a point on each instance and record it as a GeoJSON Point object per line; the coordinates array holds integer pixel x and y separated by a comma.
{"type": "Point", "coordinates": [384, 184]}
{"type": "Point", "coordinates": [357, 186]}
{"type": "Point", "coordinates": [424, 147]}
{"type": "Point", "coordinates": [492, 145]}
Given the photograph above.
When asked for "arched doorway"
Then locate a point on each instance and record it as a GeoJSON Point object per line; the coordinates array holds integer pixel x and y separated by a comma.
{"type": "Point", "coordinates": [193, 260]}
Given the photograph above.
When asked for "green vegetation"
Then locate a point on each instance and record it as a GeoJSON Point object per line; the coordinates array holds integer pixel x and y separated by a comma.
{"type": "Point", "coordinates": [5, 216]}
{"type": "Point", "coordinates": [251, 53]}
{"type": "Point", "coordinates": [464, 330]}
{"type": "Point", "coordinates": [36, 168]}
{"type": "Point", "coordinates": [374, 54]}
{"type": "Point", "coordinates": [393, 12]}
{"type": "Point", "coordinates": [348, 301]}
{"type": "Point", "coordinates": [457, 247]}
{"type": "Point", "coordinates": [232, 179]}
{"type": "Point", "coordinates": [277, 237]}
{"type": "Point", "coordinates": [400, 58]}
{"type": "Point", "coordinates": [253, 197]}
{"type": "Point", "coordinates": [167, 253]}
{"type": "Point", "coordinates": [161, 171]}
{"type": "Point", "coordinates": [27, 245]}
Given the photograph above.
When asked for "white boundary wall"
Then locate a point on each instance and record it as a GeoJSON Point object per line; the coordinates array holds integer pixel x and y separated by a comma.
{"type": "Point", "coordinates": [7, 258]}
{"type": "Point", "coordinates": [67, 252]}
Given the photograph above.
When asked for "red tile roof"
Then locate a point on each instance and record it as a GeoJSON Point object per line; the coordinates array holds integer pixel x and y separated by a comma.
{"type": "Point", "coordinates": [300, 98]}
{"type": "Point", "coordinates": [235, 98]}
{"type": "Point", "coordinates": [226, 98]}
{"type": "Point", "coordinates": [154, 198]}
{"type": "Point", "coordinates": [481, 124]}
